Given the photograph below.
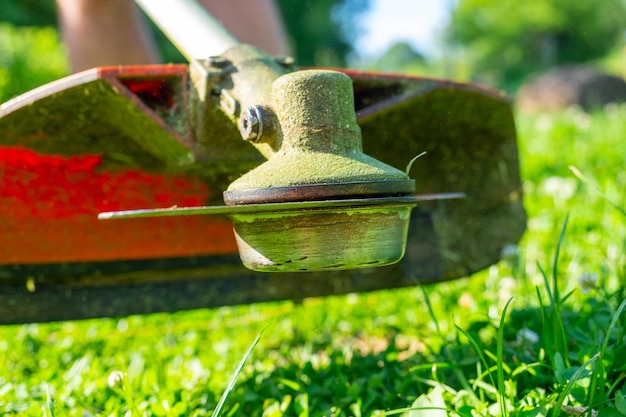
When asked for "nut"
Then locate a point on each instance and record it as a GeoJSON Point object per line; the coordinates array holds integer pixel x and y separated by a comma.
{"type": "Point", "coordinates": [251, 124]}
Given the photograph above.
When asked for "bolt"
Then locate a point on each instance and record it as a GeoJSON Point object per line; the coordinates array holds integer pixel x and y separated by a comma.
{"type": "Point", "coordinates": [251, 124]}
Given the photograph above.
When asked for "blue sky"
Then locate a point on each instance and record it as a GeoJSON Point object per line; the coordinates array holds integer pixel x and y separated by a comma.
{"type": "Point", "coordinates": [418, 22]}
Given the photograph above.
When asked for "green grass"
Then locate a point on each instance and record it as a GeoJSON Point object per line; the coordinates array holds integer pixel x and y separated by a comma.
{"type": "Point", "coordinates": [29, 58]}
{"type": "Point", "coordinates": [523, 338]}
{"type": "Point", "coordinates": [540, 334]}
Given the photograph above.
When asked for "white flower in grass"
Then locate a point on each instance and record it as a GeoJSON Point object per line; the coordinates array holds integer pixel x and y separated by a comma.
{"type": "Point", "coordinates": [509, 253]}
{"type": "Point", "coordinates": [526, 335]}
{"type": "Point", "coordinates": [588, 281]}
{"type": "Point", "coordinates": [507, 289]}
{"type": "Point", "coordinates": [559, 187]}
{"type": "Point", "coordinates": [116, 379]}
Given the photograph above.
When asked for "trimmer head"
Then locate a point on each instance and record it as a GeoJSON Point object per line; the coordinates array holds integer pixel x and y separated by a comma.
{"type": "Point", "coordinates": [317, 155]}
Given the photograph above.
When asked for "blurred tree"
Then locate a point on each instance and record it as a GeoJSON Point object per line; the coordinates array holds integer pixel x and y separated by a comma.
{"type": "Point", "coordinates": [509, 39]}
{"type": "Point", "coordinates": [29, 57]}
{"type": "Point", "coordinates": [30, 51]}
{"type": "Point", "coordinates": [322, 32]}
{"type": "Point", "coordinates": [28, 12]}
{"type": "Point", "coordinates": [399, 57]}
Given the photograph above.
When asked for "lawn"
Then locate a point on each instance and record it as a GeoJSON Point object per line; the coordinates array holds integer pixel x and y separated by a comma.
{"type": "Point", "coordinates": [527, 337]}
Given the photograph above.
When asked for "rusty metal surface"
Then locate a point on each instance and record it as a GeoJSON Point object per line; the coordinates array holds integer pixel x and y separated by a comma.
{"type": "Point", "coordinates": [308, 192]}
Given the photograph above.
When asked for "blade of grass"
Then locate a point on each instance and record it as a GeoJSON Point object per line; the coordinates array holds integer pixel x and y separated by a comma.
{"type": "Point", "coordinates": [557, 251]}
{"type": "Point", "coordinates": [500, 361]}
{"type": "Point", "coordinates": [553, 329]}
{"type": "Point", "coordinates": [552, 340]}
{"type": "Point", "coordinates": [408, 409]}
{"type": "Point", "coordinates": [546, 335]}
{"type": "Point", "coordinates": [429, 306]}
{"type": "Point", "coordinates": [128, 393]}
{"type": "Point", "coordinates": [459, 374]}
{"type": "Point", "coordinates": [570, 384]}
{"type": "Point", "coordinates": [596, 189]}
{"type": "Point", "coordinates": [410, 164]}
{"type": "Point", "coordinates": [597, 385]}
{"type": "Point", "coordinates": [49, 403]}
{"type": "Point", "coordinates": [494, 357]}
{"type": "Point", "coordinates": [233, 380]}
{"type": "Point", "coordinates": [616, 317]}
{"type": "Point", "coordinates": [544, 275]}
{"type": "Point", "coordinates": [479, 351]}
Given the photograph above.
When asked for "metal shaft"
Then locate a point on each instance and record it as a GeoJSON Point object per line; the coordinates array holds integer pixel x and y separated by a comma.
{"type": "Point", "coordinates": [189, 26]}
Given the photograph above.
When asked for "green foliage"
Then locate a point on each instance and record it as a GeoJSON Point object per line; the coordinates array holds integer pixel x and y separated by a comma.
{"type": "Point", "coordinates": [29, 57]}
{"type": "Point", "coordinates": [554, 339]}
{"type": "Point", "coordinates": [322, 31]}
{"type": "Point", "coordinates": [28, 12]}
{"type": "Point", "coordinates": [509, 40]}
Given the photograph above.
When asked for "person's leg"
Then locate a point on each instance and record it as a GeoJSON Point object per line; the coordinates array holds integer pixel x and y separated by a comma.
{"type": "Point", "coordinates": [111, 32]}
{"type": "Point", "coordinates": [255, 22]}
{"type": "Point", "coordinates": [104, 32]}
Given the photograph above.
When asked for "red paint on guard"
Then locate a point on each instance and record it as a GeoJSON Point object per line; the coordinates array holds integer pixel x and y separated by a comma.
{"type": "Point", "coordinates": [49, 206]}
{"type": "Point", "coordinates": [151, 90]}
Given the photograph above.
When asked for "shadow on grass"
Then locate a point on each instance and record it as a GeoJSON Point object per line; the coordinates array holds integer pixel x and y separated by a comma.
{"type": "Point", "coordinates": [355, 374]}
